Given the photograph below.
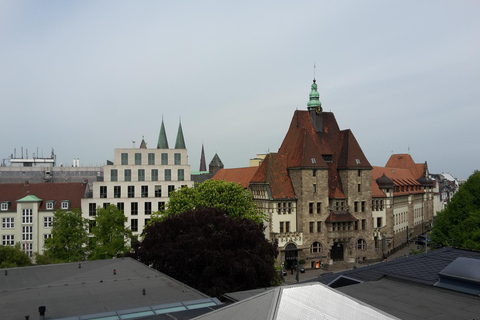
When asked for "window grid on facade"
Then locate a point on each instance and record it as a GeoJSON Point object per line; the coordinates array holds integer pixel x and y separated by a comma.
{"type": "Point", "coordinates": [158, 191]}
{"type": "Point", "coordinates": [151, 159]}
{"type": "Point", "coordinates": [154, 174]}
{"type": "Point", "coordinates": [121, 206]}
{"type": "Point", "coordinates": [141, 174]}
{"type": "Point", "coordinates": [144, 191]}
{"type": "Point", "coordinates": [124, 159]}
{"type": "Point", "coordinates": [177, 159]}
{"type": "Point", "coordinates": [117, 191]}
{"type": "Point", "coordinates": [168, 175]}
{"type": "Point", "coordinates": [181, 175]}
{"type": "Point", "coordinates": [27, 216]}
{"type": "Point", "coordinates": [138, 159]}
{"type": "Point", "coordinates": [134, 208]}
{"type": "Point", "coordinates": [131, 191]}
{"type": "Point", "coordinates": [8, 240]}
{"type": "Point", "coordinates": [148, 208]}
{"type": "Point", "coordinates": [27, 233]}
{"type": "Point", "coordinates": [114, 175]}
{"type": "Point", "coordinates": [92, 209]}
{"type": "Point", "coordinates": [103, 191]}
{"type": "Point", "coordinates": [28, 249]}
{"type": "Point", "coordinates": [361, 244]}
{"type": "Point", "coordinates": [164, 158]}
{"type": "Point", "coordinates": [315, 247]}
{"type": "Point", "coordinates": [8, 223]}
{"type": "Point", "coordinates": [134, 225]}
{"type": "Point", "coordinates": [170, 190]}
{"type": "Point", "coordinates": [161, 205]}
{"type": "Point", "coordinates": [47, 222]}
{"type": "Point", "coordinates": [128, 175]}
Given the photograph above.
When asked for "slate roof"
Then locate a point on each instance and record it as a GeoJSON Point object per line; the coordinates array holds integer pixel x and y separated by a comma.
{"type": "Point", "coordinates": [238, 175]}
{"type": "Point", "coordinates": [47, 191]}
{"type": "Point", "coordinates": [69, 291]}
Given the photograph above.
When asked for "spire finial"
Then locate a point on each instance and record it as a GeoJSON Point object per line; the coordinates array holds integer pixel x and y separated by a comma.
{"type": "Point", "coordinates": [314, 67]}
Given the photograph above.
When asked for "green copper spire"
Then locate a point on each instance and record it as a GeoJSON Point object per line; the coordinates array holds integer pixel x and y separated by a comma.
{"type": "Point", "coordinates": [162, 138]}
{"type": "Point", "coordinates": [314, 102]}
{"type": "Point", "coordinates": [180, 143]}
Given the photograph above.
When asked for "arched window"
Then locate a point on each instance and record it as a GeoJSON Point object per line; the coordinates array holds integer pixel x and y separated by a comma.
{"type": "Point", "coordinates": [361, 244]}
{"type": "Point", "coordinates": [315, 247]}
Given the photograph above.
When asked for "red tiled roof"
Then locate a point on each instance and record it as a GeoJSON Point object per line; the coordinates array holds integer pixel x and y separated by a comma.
{"type": "Point", "coordinates": [340, 217]}
{"type": "Point", "coordinates": [238, 175]}
{"type": "Point", "coordinates": [401, 177]}
{"type": "Point", "coordinates": [273, 171]}
{"type": "Point", "coordinates": [47, 191]}
{"type": "Point", "coordinates": [405, 161]}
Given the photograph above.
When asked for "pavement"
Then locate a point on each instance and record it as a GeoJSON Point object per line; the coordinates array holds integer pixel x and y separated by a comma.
{"type": "Point", "coordinates": [342, 266]}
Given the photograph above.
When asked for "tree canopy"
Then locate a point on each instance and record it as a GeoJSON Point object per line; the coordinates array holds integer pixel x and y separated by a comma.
{"type": "Point", "coordinates": [459, 223]}
{"type": "Point", "coordinates": [69, 237]}
{"type": "Point", "coordinates": [111, 237]}
{"type": "Point", "coordinates": [11, 257]}
{"type": "Point", "coordinates": [210, 251]}
{"type": "Point", "coordinates": [230, 197]}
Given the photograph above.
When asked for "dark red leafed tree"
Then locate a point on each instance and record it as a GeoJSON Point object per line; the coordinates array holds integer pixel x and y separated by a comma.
{"type": "Point", "coordinates": [210, 251]}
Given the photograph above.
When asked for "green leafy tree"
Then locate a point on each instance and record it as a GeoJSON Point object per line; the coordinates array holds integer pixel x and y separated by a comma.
{"type": "Point", "coordinates": [459, 223]}
{"type": "Point", "coordinates": [11, 257]}
{"type": "Point", "coordinates": [230, 197]}
{"type": "Point", "coordinates": [210, 251]}
{"type": "Point", "coordinates": [111, 238]}
{"type": "Point", "coordinates": [69, 238]}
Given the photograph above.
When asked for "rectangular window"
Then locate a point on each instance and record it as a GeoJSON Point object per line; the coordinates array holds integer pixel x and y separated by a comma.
{"type": "Point", "coordinates": [181, 175]}
{"type": "Point", "coordinates": [355, 206]}
{"type": "Point", "coordinates": [170, 190]}
{"type": "Point", "coordinates": [114, 175]}
{"type": "Point", "coordinates": [124, 159]}
{"type": "Point", "coordinates": [27, 216]}
{"type": "Point", "coordinates": [279, 208]}
{"type": "Point", "coordinates": [310, 208]}
{"type": "Point", "coordinates": [49, 205]}
{"type": "Point", "coordinates": [47, 236]}
{"type": "Point", "coordinates": [319, 207]}
{"type": "Point", "coordinates": [364, 224]}
{"type": "Point", "coordinates": [103, 191]}
{"type": "Point", "coordinates": [92, 209]}
{"type": "Point", "coordinates": [27, 233]}
{"type": "Point", "coordinates": [65, 205]}
{"type": "Point", "coordinates": [8, 240]}
{"type": "Point", "coordinates": [356, 225]}
{"type": "Point", "coordinates": [177, 159]}
{"type": "Point", "coordinates": [147, 221]}
{"type": "Point", "coordinates": [319, 226]}
{"type": "Point", "coordinates": [117, 191]}
{"type": "Point", "coordinates": [359, 173]}
{"type": "Point", "coordinates": [5, 206]}
{"type": "Point", "coordinates": [134, 208]}
{"type": "Point", "coordinates": [91, 225]}
{"type": "Point", "coordinates": [168, 175]}
{"type": "Point", "coordinates": [154, 174]}
{"type": "Point", "coordinates": [314, 173]}
{"type": "Point", "coordinates": [47, 222]}
{"type": "Point", "coordinates": [287, 226]}
{"type": "Point", "coordinates": [131, 192]}
{"type": "Point", "coordinates": [8, 223]}
{"type": "Point", "coordinates": [359, 187]}
{"type": "Point", "coordinates": [144, 191]}
{"type": "Point", "coordinates": [310, 226]}
{"type": "Point", "coordinates": [105, 205]}
{"type": "Point", "coordinates": [164, 158]}
{"type": "Point", "coordinates": [138, 159]}
{"type": "Point", "coordinates": [158, 191]}
{"type": "Point", "coordinates": [281, 227]}
{"type": "Point", "coordinates": [314, 188]}
{"type": "Point", "coordinates": [151, 159]}
{"type": "Point", "coordinates": [121, 206]}
{"type": "Point", "coordinates": [128, 175]}
{"type": "Point", "coordinates": [161, 206]}
{"type": "Point", "coordinates": [289, 207]}
{"type": "Point", "coordinates": [141, 174]}
{"type": "Point", "coordinates": [148, 208]}
{"type": "Point", "coordinates": [134, 225]}
{"type": "Point", "coordinates": [363, 206]}
{"type": "Point", "coordinates": [379, 222]}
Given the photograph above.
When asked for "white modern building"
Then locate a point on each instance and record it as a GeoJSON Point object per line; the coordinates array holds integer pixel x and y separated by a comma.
{"type": "Point", "coordinates": [140, 180]}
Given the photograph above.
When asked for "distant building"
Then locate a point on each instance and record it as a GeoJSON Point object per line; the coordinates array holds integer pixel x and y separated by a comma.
{"type": "Point", "coordinates": [446, 186]}
{"type": "Point", "coordinates": [140, 180]}
{"type": "Point", "coordinates": [324, 200]}
{"type": "Point", "coordinates": [26, 210]}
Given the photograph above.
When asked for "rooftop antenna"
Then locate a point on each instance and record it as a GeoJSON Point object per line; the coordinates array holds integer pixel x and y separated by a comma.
{"type": "Point", "coordinates": [409, 150]}
{"type": "Point", "coordinates": [133, 144]}
{"type": "Point", "coordinates": [314, 67]}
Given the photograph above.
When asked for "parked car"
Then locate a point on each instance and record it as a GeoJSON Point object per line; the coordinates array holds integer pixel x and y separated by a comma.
{"type": "Point", "coordinates": [421, 240]}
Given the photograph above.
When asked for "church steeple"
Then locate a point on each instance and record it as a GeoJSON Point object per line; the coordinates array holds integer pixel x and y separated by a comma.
{"type": "Point", "coordinates": [314, 102]}
{"type": "Point", "coordinates": [162, 138]}
{"type": "Point", "coordinates": [180, 142]}
{"type": "Point", "coordinates": [203, 164]}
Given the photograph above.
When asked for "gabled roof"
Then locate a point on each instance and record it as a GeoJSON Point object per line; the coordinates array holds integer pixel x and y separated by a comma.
{"type": "Point", "coordinates": [401, 178]}
{"type": "Point", "coordinates": [238, 175]}
{"type": "Point", "coordinates": [405, 161]}
{"type": "Point", "coordinates": [273, 171]}
{"type": "Point", "coordinates": [44, 192]}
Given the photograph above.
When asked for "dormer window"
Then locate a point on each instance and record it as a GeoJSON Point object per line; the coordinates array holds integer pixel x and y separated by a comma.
{"type": "Point", "coordinates": [65, 204]}
{"type": "Point", "coordinates": [357, 161]}
{"type": "Point", "coordinates": [49, 205]}
{"type": "Point", "coordinates": [314, 161]}
{"type": "Point", "coordinates": [327, 157]}
{"type": "Point", "coordinates": [4, 206]}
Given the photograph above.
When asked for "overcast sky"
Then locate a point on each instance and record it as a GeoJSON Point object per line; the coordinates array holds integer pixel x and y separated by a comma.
{"type": "Point", "coordinates": [85, 77]}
